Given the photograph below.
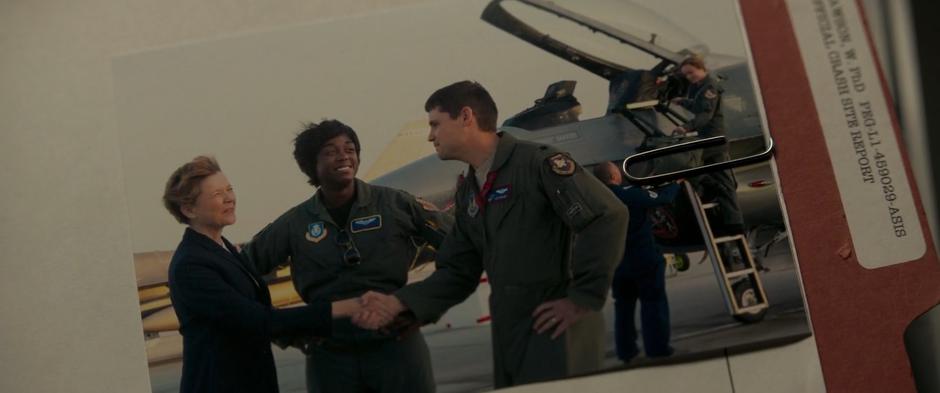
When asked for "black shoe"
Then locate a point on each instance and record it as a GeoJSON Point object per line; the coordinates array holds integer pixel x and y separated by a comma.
{"type": "Point", "coordinates": [668, 353]}
{"type": "Point", "coordinates": [627, 358]}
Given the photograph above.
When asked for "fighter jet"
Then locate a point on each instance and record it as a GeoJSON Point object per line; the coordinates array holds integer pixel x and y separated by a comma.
{"type": "Point", "coordinates": [637, 120]}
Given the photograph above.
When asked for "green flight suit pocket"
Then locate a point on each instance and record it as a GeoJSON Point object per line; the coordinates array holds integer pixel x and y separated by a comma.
{"type": "Point", "coordinates": [322, 257]}
{"type": "Point", "coordinates": [574, 208]}
{"type": "Point", "coordinates": [521, 352]}
{"type": "Point", "coordinates": [544, 359]}
{"type": "Point", "coordinates": [501, 210]}
{"type": "Point", "coordinates": [511, 308]}
{"type": "Point", "coordinates": [383, 255]}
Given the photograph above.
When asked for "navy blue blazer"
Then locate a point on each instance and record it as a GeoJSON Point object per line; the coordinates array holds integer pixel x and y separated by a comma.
{"type": "Point", "coordinates": [227, 320]}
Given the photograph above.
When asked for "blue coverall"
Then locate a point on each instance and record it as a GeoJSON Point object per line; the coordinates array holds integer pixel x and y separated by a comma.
{"type": "Point", "coordinates": [641, 275]}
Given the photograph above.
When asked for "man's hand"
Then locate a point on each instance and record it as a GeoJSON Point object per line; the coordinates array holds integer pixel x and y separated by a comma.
{"type": "Point", "coordinates": [402, 326]}
{"type": "Point", "coordinates": [679, 131]}
{"type": "Point", "coordinates": [561, 314]}
{"type": "Point", "coordinates": [378, 310]}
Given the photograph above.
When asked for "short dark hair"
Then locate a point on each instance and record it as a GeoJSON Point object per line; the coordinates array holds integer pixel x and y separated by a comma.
{"type": "Point", "coordinates": [454, 97]}
{"type": "Point", "coordinates": [183, 186]}
{"type": "Point", "coordinates": [695, 60]}
{"type": "Point", "coordinates": [310, 141]}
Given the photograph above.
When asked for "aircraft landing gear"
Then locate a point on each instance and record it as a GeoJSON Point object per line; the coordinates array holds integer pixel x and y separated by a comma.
{"type": "Point", "coordinates": [681, 262]}
{"type": "Point", "coordinates": [675, 263]}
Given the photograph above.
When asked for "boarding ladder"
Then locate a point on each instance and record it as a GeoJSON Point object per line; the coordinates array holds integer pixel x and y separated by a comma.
{"type": "Point", "coordinates": [733, 265]}
{"type": "Point", "coordinates": [731, 257]}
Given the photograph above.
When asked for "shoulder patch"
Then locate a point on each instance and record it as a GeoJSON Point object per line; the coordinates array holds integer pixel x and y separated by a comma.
{"type": "Point", "coordinates": [710, 93]}
{"type": "Point", "coordinates": [561, 164]}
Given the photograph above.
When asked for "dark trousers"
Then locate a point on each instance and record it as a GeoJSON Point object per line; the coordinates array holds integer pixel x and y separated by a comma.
{"type": "Point", "coordinates": [720, 187]}
{"type": "Point", "coordinates": [389, 366]}
{"type": "Point", "coordinates": [644, 281]}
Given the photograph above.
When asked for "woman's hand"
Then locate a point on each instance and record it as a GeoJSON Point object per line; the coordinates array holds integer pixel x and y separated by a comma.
{"type": "Point", "coordinates": [346, 308]}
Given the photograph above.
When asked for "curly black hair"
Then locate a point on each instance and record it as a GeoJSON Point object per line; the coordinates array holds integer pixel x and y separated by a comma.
{"type": "Point", "coordinates": [311, 139]}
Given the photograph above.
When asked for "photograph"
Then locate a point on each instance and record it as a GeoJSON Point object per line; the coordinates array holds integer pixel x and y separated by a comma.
{"type": "Point", "coordinates": [455, 196]}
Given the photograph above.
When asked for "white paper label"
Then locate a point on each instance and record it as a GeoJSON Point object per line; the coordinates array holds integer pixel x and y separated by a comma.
{"type": "Point", "coordinates": [859, 134]}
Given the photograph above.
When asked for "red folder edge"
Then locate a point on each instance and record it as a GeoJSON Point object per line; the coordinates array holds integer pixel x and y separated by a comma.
{"type": "Point", "coordinates": [858, 316]}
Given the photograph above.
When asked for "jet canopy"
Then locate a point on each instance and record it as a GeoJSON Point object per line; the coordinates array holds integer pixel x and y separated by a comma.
{"type": "Point", "coordinates": [605, 37]}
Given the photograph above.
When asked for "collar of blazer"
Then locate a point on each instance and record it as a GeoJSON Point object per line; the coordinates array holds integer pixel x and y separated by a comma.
{"type": "Point", "coordinates": [229, 253]}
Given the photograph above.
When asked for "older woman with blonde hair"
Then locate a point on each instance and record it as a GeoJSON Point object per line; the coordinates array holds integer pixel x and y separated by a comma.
{"type": "Point", "coordinates": [223, 304]}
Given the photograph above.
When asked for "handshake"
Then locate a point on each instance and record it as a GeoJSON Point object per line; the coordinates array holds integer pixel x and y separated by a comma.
{"type": "Point", "coordinates": [373, 311]}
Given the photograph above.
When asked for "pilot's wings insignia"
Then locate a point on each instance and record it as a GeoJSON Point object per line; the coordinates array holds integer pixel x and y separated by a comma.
{"type": "Point", "coordinates": [365, 223]}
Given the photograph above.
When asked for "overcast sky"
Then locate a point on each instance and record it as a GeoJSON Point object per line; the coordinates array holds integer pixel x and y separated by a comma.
{"type": "Point", "coordinates": [242, 98]}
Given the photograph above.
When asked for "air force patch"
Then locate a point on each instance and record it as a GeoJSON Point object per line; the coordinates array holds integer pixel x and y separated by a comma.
{"type": "Point", "coordinates": [316, 232]}
{"type": "Point", "coordinates": [365, 223]}
{"type": "Point", "coordinates": [561, 164]}
{"type": "Point", "coordinates": [710, 94]}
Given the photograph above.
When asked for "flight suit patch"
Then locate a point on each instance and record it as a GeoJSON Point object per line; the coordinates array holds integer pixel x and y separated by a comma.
{"type": "Point", "coordinates": [710, 94]}
{"type": "Point", "coordinates": [472, 207]}
{"type": "Point", "coordinates": [316, 232]}
{"type": "Point", "coordinates": [499, 194]}
{"type": "Point", "coordinates": [363, 224]}
{"type": "Point", "coordinates": [561, 164]}
{"type": "Point", "coordinates": [574, 209]}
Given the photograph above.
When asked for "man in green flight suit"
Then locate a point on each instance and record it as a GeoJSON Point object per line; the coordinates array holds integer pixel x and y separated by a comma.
{"type": "Point", "coordinates": [517, 209]}
{"type": "Point", "coordinates": [351, 237]}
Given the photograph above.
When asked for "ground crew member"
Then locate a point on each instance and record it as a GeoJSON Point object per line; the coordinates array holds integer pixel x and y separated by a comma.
{"type": "Point", "coordinates": [703, 100]}
{"type": "Point", "coordinates": [517, 208]}
{"type": "Point", "coordinates": [348, 238]}
{"type": "Point", "coordinates": [641, 273]}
